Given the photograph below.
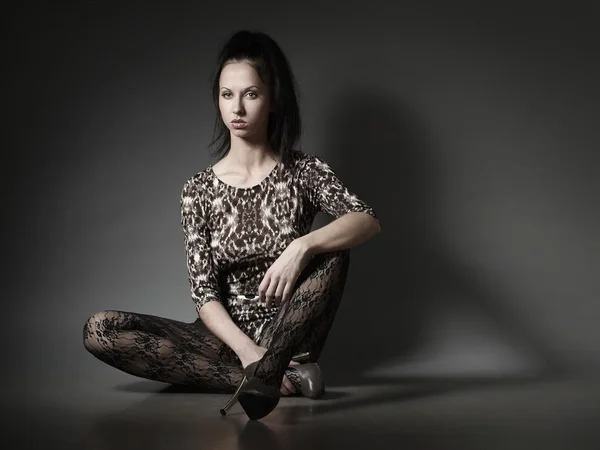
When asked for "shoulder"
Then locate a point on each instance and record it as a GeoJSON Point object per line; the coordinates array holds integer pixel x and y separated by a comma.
{"type": "Point", "coordinates": [312, 166]}
{"type": "Point", "coordinates": [198, 183]}
{"type": "Point", "coordinates": [310, 171]}
{"type": "Point", "coordinates": [302, 161]}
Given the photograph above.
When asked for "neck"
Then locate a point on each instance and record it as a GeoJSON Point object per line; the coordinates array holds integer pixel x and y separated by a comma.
{"type": "Point", "coordinates": [250, 156]}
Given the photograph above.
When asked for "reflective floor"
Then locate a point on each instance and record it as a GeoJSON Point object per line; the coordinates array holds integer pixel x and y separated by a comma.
{"type": "Point", "coordinates": [131, 413]}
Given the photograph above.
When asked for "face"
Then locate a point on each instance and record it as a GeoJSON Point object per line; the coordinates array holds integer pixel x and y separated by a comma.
{"type": "Point", "coordinates": [243, 95]}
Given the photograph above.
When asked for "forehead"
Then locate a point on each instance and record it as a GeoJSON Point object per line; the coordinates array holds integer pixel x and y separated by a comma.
{"type": "Point", "coordinates": [239, 74]}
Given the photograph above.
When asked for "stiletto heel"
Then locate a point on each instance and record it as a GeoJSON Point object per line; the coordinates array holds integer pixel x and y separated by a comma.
{"type": "Point", "coordinates": [249, 372]}
{"type": "Point", "coordinates": [234, 397]}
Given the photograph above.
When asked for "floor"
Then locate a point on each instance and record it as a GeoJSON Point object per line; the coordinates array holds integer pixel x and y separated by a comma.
{"type": "Point", "coordinates": [124, 412]}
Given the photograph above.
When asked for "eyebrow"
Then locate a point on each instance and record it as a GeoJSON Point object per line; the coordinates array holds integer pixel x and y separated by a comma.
{"type": "Point", "coordinates": [253, 86]}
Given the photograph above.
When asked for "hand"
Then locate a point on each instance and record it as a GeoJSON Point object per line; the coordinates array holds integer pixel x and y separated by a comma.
{"type": "Point", "coordinates": [280, 278]}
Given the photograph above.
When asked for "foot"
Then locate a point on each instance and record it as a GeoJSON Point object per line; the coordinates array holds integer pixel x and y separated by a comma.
{"type": "Point", "coordinates": [287, 387]}
{"type": "Point", "coordinates": [251, 355]}
{"type": "Point", "coordinates": [254, 354]}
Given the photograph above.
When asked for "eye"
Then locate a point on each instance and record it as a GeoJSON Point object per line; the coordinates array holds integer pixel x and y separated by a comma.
{"type": "Point", "coordinates": [251, 93]}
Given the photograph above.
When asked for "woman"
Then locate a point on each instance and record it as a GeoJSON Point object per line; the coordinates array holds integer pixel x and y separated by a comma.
{"type": "Point", "coordinates": [265, 289]}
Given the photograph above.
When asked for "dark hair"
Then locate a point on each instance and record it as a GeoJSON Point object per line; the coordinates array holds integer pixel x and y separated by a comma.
{"type": "Point", "coordinates": [261, 52]}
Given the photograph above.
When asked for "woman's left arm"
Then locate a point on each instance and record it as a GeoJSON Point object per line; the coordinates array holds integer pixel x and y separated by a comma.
{"type": "Point", "coordinates": [354, 223]}
{"type": "Point", "coordinates": [354, 220]}
{"type": "Point", "coordinates": [346, 231]}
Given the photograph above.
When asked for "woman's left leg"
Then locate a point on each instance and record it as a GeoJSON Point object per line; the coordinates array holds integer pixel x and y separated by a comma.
{"type": "Point", "coordinates": [162, 349]}
{"type": "Point", "coordinates": [303, 322]}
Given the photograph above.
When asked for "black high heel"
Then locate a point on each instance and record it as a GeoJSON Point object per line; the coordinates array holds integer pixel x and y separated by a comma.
{"type": "Point", "coordinates": [258, 399]}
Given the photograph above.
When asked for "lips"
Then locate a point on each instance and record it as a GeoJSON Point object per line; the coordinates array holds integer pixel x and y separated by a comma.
{"type": "Point", "coordinates": [239, 124]}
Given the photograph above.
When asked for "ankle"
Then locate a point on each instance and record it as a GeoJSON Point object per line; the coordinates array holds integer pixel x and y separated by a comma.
{"type": "Point", "coordinates": [251, 354]}
{"type": "Point", "coordinates": [292, 375]}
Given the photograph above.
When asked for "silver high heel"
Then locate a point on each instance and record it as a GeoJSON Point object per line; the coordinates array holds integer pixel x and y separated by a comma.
{"type": "Point", "coordinates": [311, 380]}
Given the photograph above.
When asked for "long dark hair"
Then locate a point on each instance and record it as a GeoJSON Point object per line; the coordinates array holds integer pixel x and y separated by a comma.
{"type": "Point", "coordinates": [261, 52]}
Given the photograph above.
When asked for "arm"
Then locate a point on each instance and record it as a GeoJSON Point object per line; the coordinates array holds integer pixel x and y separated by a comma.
{"type": "Point", "coordinates": [219, 322]}
{"type": "Point", "coordinates": [203, 276]}
{"type": "Point", "coordinates": [355, 221]}
{"type": "Point", "coordinates": [347, 231]}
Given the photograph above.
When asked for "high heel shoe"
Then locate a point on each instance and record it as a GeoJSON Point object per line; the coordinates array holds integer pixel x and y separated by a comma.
{"type": "Point", "coordinates": [311, 380]}
{"type": "Point", "coordinates": [258, 399]}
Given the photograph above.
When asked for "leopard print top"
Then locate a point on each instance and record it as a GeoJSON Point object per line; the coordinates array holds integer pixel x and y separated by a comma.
{"type": "Point", "coordinates": [233, 235]}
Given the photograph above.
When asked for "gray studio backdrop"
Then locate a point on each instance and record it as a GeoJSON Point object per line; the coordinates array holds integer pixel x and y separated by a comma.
{"type": "Point", "coordinates": [472, 131]}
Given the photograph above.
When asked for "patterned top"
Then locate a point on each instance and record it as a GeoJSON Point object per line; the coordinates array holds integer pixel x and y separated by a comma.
{"type": "Point", "coordinates": [233, 235]}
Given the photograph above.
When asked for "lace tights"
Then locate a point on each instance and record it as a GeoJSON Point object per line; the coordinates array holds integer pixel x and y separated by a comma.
{"type": "Point", "coordinates": [181, 353]}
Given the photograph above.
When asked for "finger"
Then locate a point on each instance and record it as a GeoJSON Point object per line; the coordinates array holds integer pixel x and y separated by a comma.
{"type": "Point", "coordinates": [271, 291]}
{"type": "Point", "coordinates": [279, 292]}
{"type": "Point", "coordinates": [268, 299]}
{"type": "Point", "coordinates": [287, 292]}
{"type": "Point", "coordinates": [264, 284]}
{"type": "Point", "coordinates": [288, 384]}
{"type": "Point", "coordinates": [265, 291]}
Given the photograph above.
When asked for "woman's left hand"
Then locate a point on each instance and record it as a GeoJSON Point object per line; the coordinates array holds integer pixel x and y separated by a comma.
{"type": "Point", "coordinates": [280, 278]}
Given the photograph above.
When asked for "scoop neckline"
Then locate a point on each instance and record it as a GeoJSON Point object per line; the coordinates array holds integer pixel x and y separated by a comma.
{"type": "Point", "coordinates": [264, 180]}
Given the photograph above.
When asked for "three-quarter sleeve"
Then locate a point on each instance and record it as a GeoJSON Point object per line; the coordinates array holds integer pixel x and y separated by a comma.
{"type": "Point", "coordinates": [328, 192]}
{"type": "Point", "coordinates": [202, 276]}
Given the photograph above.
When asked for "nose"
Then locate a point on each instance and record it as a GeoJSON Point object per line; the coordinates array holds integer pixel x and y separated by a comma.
{"type": "Point", "coordinates": [237, 109]}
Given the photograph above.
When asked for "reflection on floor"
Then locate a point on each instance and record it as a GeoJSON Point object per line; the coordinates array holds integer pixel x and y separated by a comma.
{"type": "Point", "coordinates": [421, 414]}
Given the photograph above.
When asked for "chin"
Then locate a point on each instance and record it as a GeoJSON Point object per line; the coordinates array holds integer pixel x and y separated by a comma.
{"type": "Point", "coordinates": [240, 131]}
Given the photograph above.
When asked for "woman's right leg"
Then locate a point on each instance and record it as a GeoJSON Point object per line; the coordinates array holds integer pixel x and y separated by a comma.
{"type": "Point", "coordinates": [162, 349]}
{"type": "Point", "coordinates": [303, 322]}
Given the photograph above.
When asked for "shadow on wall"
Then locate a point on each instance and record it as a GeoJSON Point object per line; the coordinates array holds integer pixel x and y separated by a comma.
{"type": "Point", "coordinates": [408, 304]}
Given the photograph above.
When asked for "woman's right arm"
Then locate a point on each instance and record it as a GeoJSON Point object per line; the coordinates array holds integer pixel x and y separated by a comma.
{"type": "Point", "coordinates": [203, 279]}
{"type": "Point", "coordinates": [218, 320]}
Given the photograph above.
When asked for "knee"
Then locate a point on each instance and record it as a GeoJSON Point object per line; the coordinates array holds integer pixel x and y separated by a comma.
{"type": "Point", "coordinates": [336, 262]}
{"type": "Point", "coordinates": [93, 330]}
{"type": "Point", "coordinates": [340, 258]}
{"type": "Point", "coordinates": [338, 255]}
{"type": "Point", "coordinates": [344, 255]}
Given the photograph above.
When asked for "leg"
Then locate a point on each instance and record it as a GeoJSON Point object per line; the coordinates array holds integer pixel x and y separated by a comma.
{"type": "Point", "coordinates": [303, 322]}
{"type": "Point", "coordinates": [162, 349]}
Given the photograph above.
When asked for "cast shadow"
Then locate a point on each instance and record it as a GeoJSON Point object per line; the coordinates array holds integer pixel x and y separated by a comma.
{"type": "Point", "coordinates": [153, 387]}
{"type": "Point", "coordinates": [385, 153]}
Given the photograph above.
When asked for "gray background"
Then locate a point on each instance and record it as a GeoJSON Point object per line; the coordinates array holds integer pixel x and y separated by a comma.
{"type": "Point", "coordinates": [472, 130]}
